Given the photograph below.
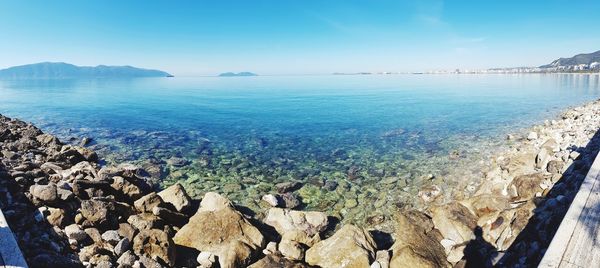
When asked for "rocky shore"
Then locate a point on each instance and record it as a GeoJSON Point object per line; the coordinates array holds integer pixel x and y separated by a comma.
{"type": "Point", "coordinates": [67, 210]}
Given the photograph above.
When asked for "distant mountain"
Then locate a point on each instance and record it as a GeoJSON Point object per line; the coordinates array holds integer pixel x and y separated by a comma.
{"type": "Point", "coordinates": [230, 74]}
{"type": "Point", "coordinates": [579, 59]}
{"type": "Point", "coordinates": [65, 70]}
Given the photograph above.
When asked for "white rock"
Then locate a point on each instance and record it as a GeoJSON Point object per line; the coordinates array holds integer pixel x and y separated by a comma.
{"type": "Point", "coordinates": [270, 199]}
{"type": "Point", "coordinates": [111, 236]}
{"type": "Point", "coordinates": [532, 136]}
{"type": "Point", "coordinates": [270, 248]}
{"type": "Point", "coordinates": [74, 232]}
{"type": "Point", "coordinates": [206, 260]}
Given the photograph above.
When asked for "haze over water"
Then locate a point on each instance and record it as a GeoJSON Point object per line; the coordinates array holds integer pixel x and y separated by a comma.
{"type": "Point", "coordinates": [355, 142]}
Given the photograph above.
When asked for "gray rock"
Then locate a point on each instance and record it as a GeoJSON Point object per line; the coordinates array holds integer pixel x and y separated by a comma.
{"type": "Point", "coordinates": [74, 232]}
{"type": "Point", "coordinates": [127, 258]}
{"type": "Point", "coordinates": [111, 236]}
{"type": "Point", "coordinates": [45, 193]}
{"type": "Point", "coordinates": [121, 246]}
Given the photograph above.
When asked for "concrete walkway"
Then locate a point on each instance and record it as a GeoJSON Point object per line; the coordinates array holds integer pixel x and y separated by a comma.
{"type": "Point", "coordinates": [577, 240]}
{"type": "Point", "coordinates": [10, 254]}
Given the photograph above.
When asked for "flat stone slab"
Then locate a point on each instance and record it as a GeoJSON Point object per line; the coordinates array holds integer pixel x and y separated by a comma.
{"type": "Point", "coordinates": [577, 240]}
{"type": "Point", "coordinates": [10, 253]}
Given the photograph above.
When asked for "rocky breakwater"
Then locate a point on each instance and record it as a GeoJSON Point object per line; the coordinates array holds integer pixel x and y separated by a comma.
{"type": "Point", "coordinates": [66, 210]}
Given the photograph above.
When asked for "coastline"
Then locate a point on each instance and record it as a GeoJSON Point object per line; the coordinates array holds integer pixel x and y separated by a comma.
{"type": "Point", "coordinates": [53, 194]}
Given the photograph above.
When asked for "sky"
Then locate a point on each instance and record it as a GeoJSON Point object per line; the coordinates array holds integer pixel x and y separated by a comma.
{"type": "Point", "coordinates": [278, 37]}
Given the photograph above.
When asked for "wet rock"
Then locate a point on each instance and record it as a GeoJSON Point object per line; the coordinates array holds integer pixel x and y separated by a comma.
{"type": "Point", "coordinates": [429, 193]}
{"type": "Point", "coordinates": [218, 228]}
{"type": "Point", "coordinates": [156, 245]}
{"type": "Point", "coordinates": [290, 200]}
{"type": "Point", "coordinates": [350, 246]}
{"type": "Point", "coordinates": [87, 154]}
{"type": "Point", "coordinates": [330, 185]}
{"type": "Point", "coordinates": [284, 220]}
{"type": "Point", "coordinates": [288, 186]}
{"type": "Point", "coordinates": [148, 202]}
{"type": "Point", "coordinates": [176, 196]}
{"type": "Point", "coordinates": [45, 193]}
{"type": "Point", "coordinates": [178, 161]}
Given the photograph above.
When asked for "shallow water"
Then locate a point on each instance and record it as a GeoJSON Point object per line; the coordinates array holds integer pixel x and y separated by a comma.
{"type": "Point", "coordinates": [377, 137]}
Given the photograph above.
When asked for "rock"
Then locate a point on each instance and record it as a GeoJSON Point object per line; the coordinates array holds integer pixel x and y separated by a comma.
{"type": "Point", "coordinates": [291, 250]}
{"type": "Point", "coordinates": [271, 248]}
{"type": "Point", "coordinates": [178, 161]}
{"type": "Point", "coordinates": [486, 203]}
{"type": "Point", "coordinates": [382, 257]}
{"type": "Point", "coordinates": [169, 216]}
{"type": "Point", "coordinates": [532, 136]}
{"type": "Point", "coordinates": [206, 260]}
{"type": "Point", "coordinates": [521, 163]}
{"type": "Point", "coordinates": [277, 261]}
{"type": "Point", "coordinates": [416, 243]}
{"type": "Point", "coordinates": [283, 220]}
{"type": "Point", "coordinates": [148, 202]}
{"type": "Point", "coordinates": [543, 157]}
{"type": "Point", "coordinates": [74, 232]}
{"type": "Point", "coordinates": [270, 199]}
{"type": "Point", "coordinates": [176, 196]}
{"type": "Point", "coordinates": [86, 189]}
{"type": "Point", "coordinates": [454, 221]}
{"type": "Point", "coordinates": [45, 193]}
{"type": "Point", "coordinates": [289, 200]}
{"type": "Point", "coordinates": [99, 212]}
{"type": "Point", "coordinates": [121, 246]}
{"type": "Point", "coordinates": [123, 186]}
{"type": "Point", "coordinates": [112, 237]}
{"type": "Point", "coordinates": [526, 187]}
{"type": "Point", "coordinates": [350, 246]}
{"type": "Point", "coordinates": [156, 245]}
{"type": "Point", "coordinates": [57, 217]}
{"type": "Point", "coordinates": [555, 166]}
{"type": "Point", "coordinates": [94, 234]}
{"type": "Point", "coordinates": [218, 228]}
{"type": "Point", "coordinates": [87, 154]}
{"type": "Point", "coordinates": [127, 231]}
{"type": "Point", "coordinates": [127, 259]}
{"type": "Point", "coordinates": [145, 221]}
{"type": "Point", "coordinates": [288, 186]}
{"type": "Point", "coordinates": [301, 237]}
{"type": "Point", "coordinates": [429, 193]}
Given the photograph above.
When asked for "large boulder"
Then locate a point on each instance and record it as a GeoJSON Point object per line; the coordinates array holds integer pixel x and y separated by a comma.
{"type": "Point", "coordinates": [220, 229]}
{"type": "Point", "coordinates": [176, 196]}
{"type": "Point", "coordinates": [416, 244]}
{"type": "Point", "coordinates": [526, 187]}
{"type": "Point", "coordinates": [285, 220]}
{"type": "Point", "coordinates": [486, 203]}
{"type": "Point", "coordinates": [454, 221]}
{"type": "Point", "coordinates": [349, 247]}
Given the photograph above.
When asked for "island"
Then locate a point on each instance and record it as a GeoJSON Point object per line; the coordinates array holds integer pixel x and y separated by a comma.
{"type": "Point", "coordinates": [65, 70]}
{"type": "Point", "coordinates": [231, 74]}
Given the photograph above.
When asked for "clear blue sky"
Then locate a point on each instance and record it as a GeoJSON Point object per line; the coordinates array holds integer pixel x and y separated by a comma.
{"type": "Point", "coordinates": [297, 37]}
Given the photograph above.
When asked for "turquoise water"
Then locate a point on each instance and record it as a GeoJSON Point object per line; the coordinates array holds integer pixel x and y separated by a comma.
{"type": "Point", "coordinates": [377, 136]}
